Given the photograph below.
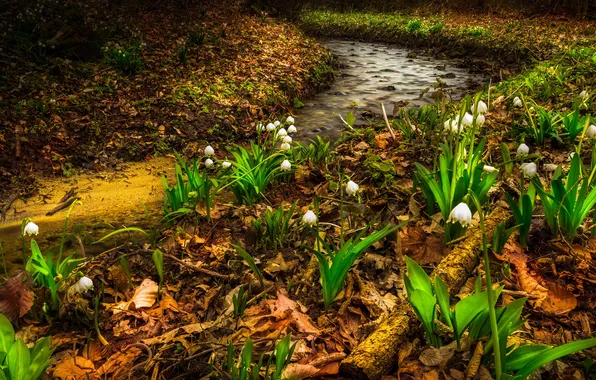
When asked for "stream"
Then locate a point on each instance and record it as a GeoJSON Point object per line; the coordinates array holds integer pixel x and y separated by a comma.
{"type": "Point", "coordinates": [132, 195]}
{"type": "Point", "coordinates": [376, 72]}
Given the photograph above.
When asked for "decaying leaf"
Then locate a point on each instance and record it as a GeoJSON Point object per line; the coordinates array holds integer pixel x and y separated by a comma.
{"type": "Point", "coordinates": [16, 296]}
{"type": "Point", "coordinates": [73, 368]}
{"type": "Point", "coordinates": [144, 296]}
{"type": "Point", "coordinates": [431, 357]}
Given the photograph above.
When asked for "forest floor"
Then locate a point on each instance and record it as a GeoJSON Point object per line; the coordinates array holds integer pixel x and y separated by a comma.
{"type": "Point", "coordinates": [250, 68]}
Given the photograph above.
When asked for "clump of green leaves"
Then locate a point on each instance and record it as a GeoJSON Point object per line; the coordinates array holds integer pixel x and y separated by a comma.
{"type": "Point", "coordinates": [127, 58]}
{"type": "Point", "coordinates": [243, 367]}
{"type": "Point", "coordinates": [414, 26]}
{"type": "Point", "coordinates": [252, 171]}
{"type": "Point", "coordinates": [570, 199]}
{"type": "Point", "coordinates": [17, 361]}
{"type": "Point", "coordinates": [335, 265]}
{"type": "Point", "coordinates": [239, 302]}
{"type": "Point", "coordinates": [276, 228]}
{"type": "Point", "coordinates": [317, 152]}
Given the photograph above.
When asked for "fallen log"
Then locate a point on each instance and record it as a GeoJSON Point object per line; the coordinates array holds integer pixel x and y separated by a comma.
{"type": "Point", "coordinates": [377, 354]}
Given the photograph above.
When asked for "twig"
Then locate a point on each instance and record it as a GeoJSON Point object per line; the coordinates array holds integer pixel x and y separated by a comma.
{"type": "Point", "coordinates": [387, 122]}
{"type": "Point", "coordinates": [197, 268]}
{"type": "Point", "coordinates": [62, 206]}
{"type": "Point", "coordinates": [149, 353]}
{"type": "Point", "coordinates": [345, 122]}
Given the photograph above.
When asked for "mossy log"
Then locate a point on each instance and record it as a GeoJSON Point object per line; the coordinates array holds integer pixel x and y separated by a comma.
{"type": "Point", "coordinates": [377, 354]}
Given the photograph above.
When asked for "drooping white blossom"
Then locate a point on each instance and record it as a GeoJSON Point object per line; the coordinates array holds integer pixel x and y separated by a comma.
{"type": "Point", "coordinates": [30, 229]}
{"type": "Point", "coordinates": [489, 169]}
{"type": "Point", "coordinates": [480, 108]}
{"type": "Point", "coordinates": [517, 102]}
{"type": "Point", "coordinates": [467, 119]}
{"type": "Point", "coordinates": [290, 120]}
{"type": "Point", "coordinates": [523, 150]}
{"type": "Point", "coordinates": [352, 188]}
{"type": "Point", "coordinates": [529, 169]}
{"type": "Point", "coordinates": [209, 151]}
{"type": "Point", "coordinates": [285, 166]}
{"type": "Point", "coordinates": [480, 119]}
{"type": "Point", "coordinates": [83, 285]}
{"type": "Point", "coordinates": [270, 127]}
{"type": "Point", "coordinates": [287, 140]}
{"type": "Point", "coordinates": [226, 164]}
{"type": "Point", "coordinates": [309, 218]}
{"type": "Point", "coordinates": [462, 214]}
{"type": "Point", "coordinates": [208, 163]}
{"type": "Point", "coordinates": [282, 133]}
{"type": "Point", "coordinates": [285, 146]}
{"type": "Point", "coordinates": [591, 131]}
{"type": "Point", "coordinates": [292, 129]}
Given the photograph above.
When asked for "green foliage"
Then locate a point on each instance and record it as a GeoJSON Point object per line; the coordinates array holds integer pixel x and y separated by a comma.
{"type": "Point", "coordinates": [196, 38]}
{"type": "Point", "coordinates": [453, 181]}
{"type": "Point", "coordinates": [17, 361]}
{"type": "Point", "coordinates": [424, 296]}
{"type": "Point", "coordinates": [568, 202]}
{"type": "Point", "coordinates": [334, 275]}
{"type": "Point", "coordinates": [183, 54]}
{"type": "Point", "coordinates": [157, 258]}
{"type": "Point", "coordinates": [187, 193]}
{"type": "Point", "coordinates": [382, 172]}
{"type": "Point", "coordinates": [522, 212]}
{"type": "Point", "coordinates": [414, 26]}
{"type": "Point", "coordinates": [239, 301]}
{"type": "Point", "coordinates": [276, 229]}
{"type": "Point", "coordinates": [547, 125]}
{"type": "Point", "coordinates": [251, 263]}
{"type": "Point", "coordinates": [243, 368]}
{"type": "Point", "coordinates": [50, 273]}
{"type": "Point", "coordinates": [125, 58]}
{"type": "Point", "coordinates": [317, 152]}
{"type": "Point", "coordinates": [573, 125]}
{"type": "Point", "coordinates": [252, 171]}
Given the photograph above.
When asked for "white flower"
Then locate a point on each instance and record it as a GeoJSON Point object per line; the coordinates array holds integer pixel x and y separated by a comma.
{"type": "Point", "coordinates": [584, 94]}
{"type": "Point", "coordinates": [277, 123]}
{"type": "Point", "coordinates": [290, 120]}
{"type": "Point", "coordinates": [529, 169]}
{"type": "Point", "coordinates": [285, 146]}
{"type": "Point", "coordinates": [523, 150]}
{"type": "Point", "coordinates": [453, 125]}
{"type": "Point", "coordinates": [462, 214]}
{"type": "Point", "coordinates": [282, 132]}
{"type": "Point", "coordinates": [292, 129]}
{"type": "Point", "coordinates": [479, 108]}
{"type": "Point", "coordinates": [309, 218]}
{"type": "Point", "coordinates": [209, 151]}
{"type": "Point", "coordinates": [260, 127]}
{"type": "Point", "coordinates": [83, 285]}
{"type": "Point", "coordinates": [285, 166]}
{"type": "Point", "coordinates": [467, 120]}
{"type": "Point", "coordinates": [208, 163]}
{"type": "Point", "coordinates": [352, 188]}
{"type": "Point", "coordinates": [270, 127]}
{"type": "Point", "coordinates": [480, 119]}
{"type": "Point", "coordinates": [551, 167]}
{"type": "Point", "coordinates": [287, 140]}
{"type": "Point", "coordinates": [226, 164]}
{"type": "Point", "coordinates": [517, 102]}
{"type": "Point", "coordinates": [591, 131]}
{"type": "Point", "coordinates": [489, 169]}
{"type": "Point", "coordinates": [30, 229]}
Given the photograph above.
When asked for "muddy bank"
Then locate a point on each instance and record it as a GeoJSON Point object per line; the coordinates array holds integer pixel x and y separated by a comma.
{"type": "Point", "coordinates": [130, 196]}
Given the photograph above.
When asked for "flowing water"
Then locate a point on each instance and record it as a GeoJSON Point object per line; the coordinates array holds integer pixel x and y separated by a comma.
{"type": "Point", "coordinates": [374, 73]}
{"type": "Point", "coordinates": [133, 195]}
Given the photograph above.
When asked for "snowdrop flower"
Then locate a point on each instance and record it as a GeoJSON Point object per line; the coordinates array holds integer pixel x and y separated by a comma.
{"type": "Point", "coordinates": [271, 127]}
{"type": "Point", "coordinates": [529, 169]}
{"type": "Point", "coordinates": [480, 119]}
{"type": "Point", "coordinates": [551, 167]}
{"type": "Point", "coordinates": [489, 169]}
{"type": "Point", "coordinates": [226, 164]}
{"type": "Point", "coordinates": [523, 150]}
{"type": "Point", "coordinates": [277, 123]}
{"type": "Point", "coordinates": [30, 229]}
{"type": "Point", "coordinates": [287, 140]}
{"type": "Point", "coordinates": [208, 163]}
{"type": "Point", "coordinates": [584, 94]}
{"type": "Point", "coordinates": [83, 285]}
{"type": "Point", "coordinates": [282, 132]}
{"type": "Point", "coordinates": [479, 108]}
{"type": "Point", "coordinates": [462, 214]}
{"type": "Point", "coordinates": [467, 120]}
{"type": "Point", "coordinates": [292, 129]}
{"type": "Point", "coordinates": [209, 151]}
{"type": "Point", "coordinates": [453, 125]}
{"type": "Point", "coordinates": [290, 120]}
{"type": "Point", "coordinates": [591, 131]}
{"type": "Point", "coordinates": [352, 188]}
{"type": "Point", "coordinates": [517, 101]}
{"type": "Point", "coordinates": [309, 218]}
{"type": "Point", "coordinates": [260, 127]}
{"type": "Point", "coordinates": [285, 166]}
{"type": "Point", "coordinates": [285, 146]}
